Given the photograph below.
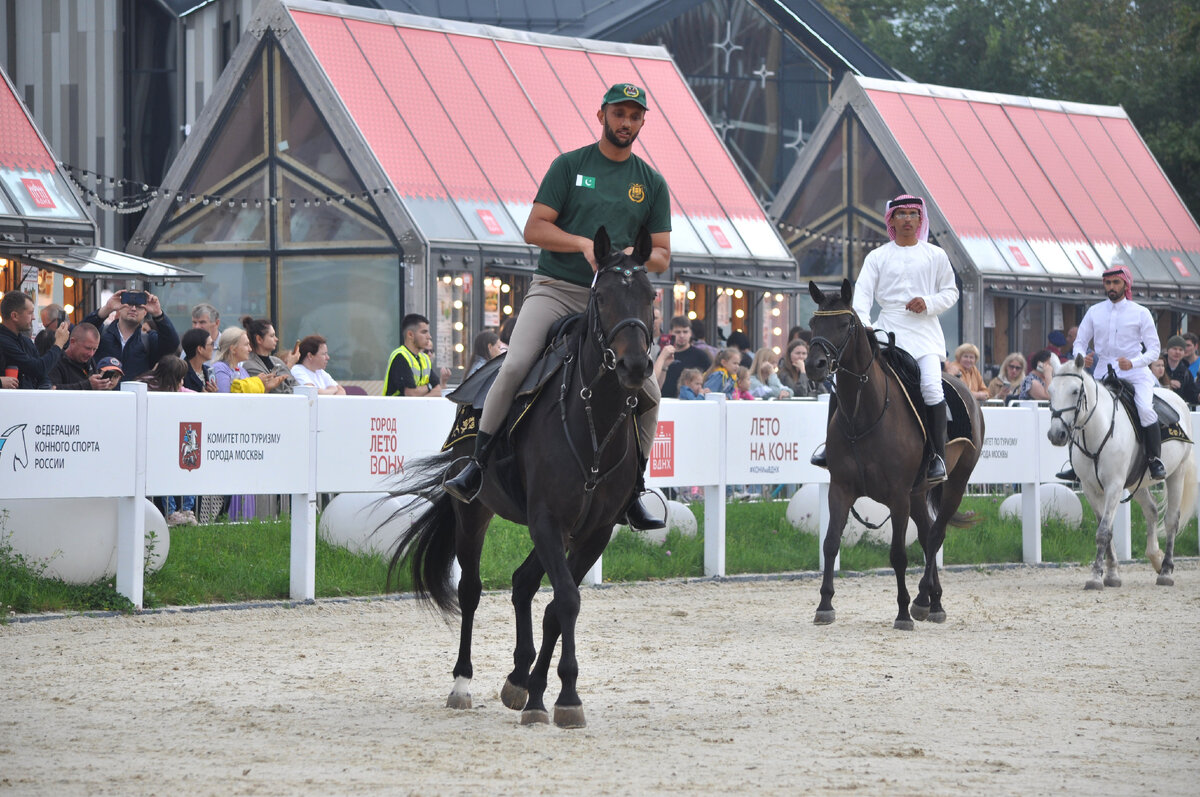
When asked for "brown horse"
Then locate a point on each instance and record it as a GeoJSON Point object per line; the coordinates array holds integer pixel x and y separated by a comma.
{"type": "Point", "coordinates": [875, 444]}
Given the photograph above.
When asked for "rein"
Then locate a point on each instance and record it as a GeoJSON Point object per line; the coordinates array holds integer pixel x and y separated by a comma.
{"type": "Point", "coordinates": [592, 477]}
{"type": "Point", "coordinates": [1080, 440]}
{"type": "Point", "coordinates": [835, 353]}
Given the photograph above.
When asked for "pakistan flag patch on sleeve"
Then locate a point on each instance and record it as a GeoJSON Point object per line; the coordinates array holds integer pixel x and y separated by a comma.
{"type": "Point", "coordinates": [585, 182]}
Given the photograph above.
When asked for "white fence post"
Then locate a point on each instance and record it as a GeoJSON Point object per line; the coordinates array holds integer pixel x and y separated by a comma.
{"type": "Point", "coordinates": [131, 510]}
{"type": "Point", "coordinates": [303, 569]}
{"type": "Point", "coordinates": [714, 499]}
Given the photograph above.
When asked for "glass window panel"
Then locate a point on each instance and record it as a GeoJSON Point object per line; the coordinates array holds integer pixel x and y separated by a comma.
{"type": "Point", "coordinates": [304, 136]}
{"type": "Point", "coordinates": [823, 254]}
{"type": "Point", "coordinates": [764, 92]}
{"type": "Point", "coordinates": [873, 181]}
{"type": "Point", "coordinates": [240, 142]}
{"type": "Point", "coordinates": [822, 192]}
{"type": "Point", "coordinates": [217, 225]}
{"type": "Point", "coordinates": [454, 333]}
{"type": "Point", "coordinates": [354, 303]}
{"type": "Point", "coordinates": [236, 286]}
{"type": "Point", "coordinates": [332, 224]}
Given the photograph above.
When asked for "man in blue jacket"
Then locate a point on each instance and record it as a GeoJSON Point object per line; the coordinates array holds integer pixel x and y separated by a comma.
{"type": "Point", "coordinates": [16, 321]}
{"type": "Point", "coordinates": [124, 339]}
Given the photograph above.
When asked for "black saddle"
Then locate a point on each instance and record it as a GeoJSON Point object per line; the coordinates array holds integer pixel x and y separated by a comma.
{"type": "Point", "coordinates": [904, 366]}
{"type": "Point", "coordinates": [475, 387]}
{"type": "Point", "coordinates": [1168, 417]}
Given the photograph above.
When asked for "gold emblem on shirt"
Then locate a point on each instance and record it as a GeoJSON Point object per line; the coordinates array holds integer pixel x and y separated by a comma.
{"type": "Point", "coordinates": [637, 192]}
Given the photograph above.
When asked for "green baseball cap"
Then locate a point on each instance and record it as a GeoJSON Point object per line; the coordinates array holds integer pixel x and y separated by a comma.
{"type": "Point", "coordinates": [625, 92]}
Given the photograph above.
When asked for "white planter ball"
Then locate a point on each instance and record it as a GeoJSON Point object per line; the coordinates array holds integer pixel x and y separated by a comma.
{"type": "Point", "coordinates": [875, 513]}
{"type": "Point", "coordinates": [680, 518]}
{"type": "Point", "coordinates": [1057, 501]}
{"type": "Point", "coordinates": [369, 522]}
{"type": "Point", "coordinates": [804, 511]}
{"type": "Point", "coordinates": [49, 531]}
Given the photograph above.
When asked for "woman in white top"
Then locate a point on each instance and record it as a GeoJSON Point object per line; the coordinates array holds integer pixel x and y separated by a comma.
{"type": "Point", "coordinates": [314, 356]}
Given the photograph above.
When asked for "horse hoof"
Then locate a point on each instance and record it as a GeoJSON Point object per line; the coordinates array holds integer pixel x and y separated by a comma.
{"type": "Point", "coordinates": [920, 613]}
{"type": "Point", "coordinates": [569, 717]}
{"type": "Point", "coordinates": [904, 625]}
{"type": "Point", "coordinates": [823, 617]}
{"type": "Point", "coordinates": [513, 696]}
{"type": "Point", "coordinates": [1164, 581]}
{"type": "Point", "coordinates": [535, 716]}
{"type": "Point", "coordinates": [1112, 581]}
{"type": "Point", "coordinates": [937, 617]}
{"type": "Point", "coordinates": [459, 700]}
{"type": "Point", "coordinates": [1094, 583]}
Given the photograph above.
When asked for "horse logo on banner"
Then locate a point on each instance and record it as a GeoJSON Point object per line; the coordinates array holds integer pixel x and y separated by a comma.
{"type": "Point", "coordinates": [189, 445]}
{"type": "Point", "coordinates": [13, 440]}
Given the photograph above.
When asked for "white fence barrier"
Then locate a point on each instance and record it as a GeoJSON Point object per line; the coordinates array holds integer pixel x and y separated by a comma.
{"type": "Point", "coordinates": [134, 443]}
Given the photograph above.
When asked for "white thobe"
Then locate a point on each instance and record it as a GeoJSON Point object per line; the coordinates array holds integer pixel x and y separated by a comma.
{"type": "Point", "coordinates": [891, 277]}
{"type": "Point", "coordinates": [1123, 329]}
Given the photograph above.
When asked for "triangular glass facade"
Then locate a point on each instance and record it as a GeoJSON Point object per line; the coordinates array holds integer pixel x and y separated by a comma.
{"type": "Point", "coordinates": [836, 217]}
{"type": "Point", "coordinates": [275, 191]}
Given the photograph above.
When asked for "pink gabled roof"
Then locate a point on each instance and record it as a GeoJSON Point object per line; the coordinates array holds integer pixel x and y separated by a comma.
{"type": "Point", "coordinates": [21, 148]}
{"type": "Point", "coordinates": [461, 114]}
{"type": "Point", "coordinates": [1020, 168]}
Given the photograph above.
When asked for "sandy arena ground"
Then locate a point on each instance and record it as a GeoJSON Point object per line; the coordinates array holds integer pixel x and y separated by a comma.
{"type": "Point", "coordinates": [1033, 686]}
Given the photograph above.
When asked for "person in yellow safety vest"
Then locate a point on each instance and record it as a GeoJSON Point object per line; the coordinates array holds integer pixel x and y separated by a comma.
{"type": "Point", "coordinates": [410, 370]}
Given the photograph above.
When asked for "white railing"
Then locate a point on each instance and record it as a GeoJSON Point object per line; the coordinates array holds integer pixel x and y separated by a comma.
{"type": "Point", "coordinates": [133, 443]}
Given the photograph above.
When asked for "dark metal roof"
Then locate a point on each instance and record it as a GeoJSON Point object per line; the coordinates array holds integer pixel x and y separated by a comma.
{"type": "Point", "coordinates": [627, 20]}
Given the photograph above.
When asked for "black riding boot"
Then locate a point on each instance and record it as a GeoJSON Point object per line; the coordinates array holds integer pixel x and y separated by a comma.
{"type": "Point", "coordinates": [636, 515]}
{"type": "Point", "coordinates": [465, 486]}
{"type": "Point", "coordinates": [1154, 451]}
{"type": "Point", "coordinates": [1067, 474]}
{"type": "Point", "coordinates": [937, 438]}
{"type": "Point", "coordinates": [818, 457]}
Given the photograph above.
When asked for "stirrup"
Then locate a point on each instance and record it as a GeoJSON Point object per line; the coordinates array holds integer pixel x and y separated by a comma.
{"type": "Point", "coordinates": [937, 470]}
{"type": "Point", "coordinates": [1157, 469]}
{"type": "Point", "coordinates": [1067, 474]}
{"type": "Point", "coordinates": [819, 459]}
{"type": "Point", "coordinates": [466, 485]}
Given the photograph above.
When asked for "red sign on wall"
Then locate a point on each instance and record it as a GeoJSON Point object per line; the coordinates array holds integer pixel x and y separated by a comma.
{"type": "Point", "coordinates": [1087, 261]}
{"type": "Point", "coordinates": [1018, 256]}
{"type": "Point", "coordinates": [38, 193]}
{"type": "Point", "coordinates": [662, 452]}
{"type": "Point", "coordinates": [1181, 267]}
{"type": "Point", "coordinates": [490, 222]}
{"type": "Point", "coordinates": [719, 236]}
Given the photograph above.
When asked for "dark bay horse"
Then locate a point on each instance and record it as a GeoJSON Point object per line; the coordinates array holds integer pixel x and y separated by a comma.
{"type": "Point", "coordinates": [875, 444]}
{"type": "Point", "coordinates": [575, 460]}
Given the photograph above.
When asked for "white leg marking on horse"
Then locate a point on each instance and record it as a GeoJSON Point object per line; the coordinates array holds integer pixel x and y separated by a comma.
{"type": "Point", "coordinates": [462, 686]}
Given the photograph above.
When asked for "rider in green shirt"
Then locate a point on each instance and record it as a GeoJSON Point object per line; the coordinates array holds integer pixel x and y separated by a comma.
{"type": "Point", "coordinates": [601, 184]}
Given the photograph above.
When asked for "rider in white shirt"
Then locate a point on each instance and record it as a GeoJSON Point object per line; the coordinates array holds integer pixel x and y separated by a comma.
{"type": "Point", "coordinates": [1125, 341]}
{"type": "Point", "coordinates": [913, 283]}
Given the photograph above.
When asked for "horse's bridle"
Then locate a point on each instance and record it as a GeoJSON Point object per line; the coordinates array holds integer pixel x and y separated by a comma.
{"type": "Point", "coordinates": [592, 477]}
{"type": "Point", "coordinates": [1076, 427]}
{"type": "Point", "coordinates": [835, 352]}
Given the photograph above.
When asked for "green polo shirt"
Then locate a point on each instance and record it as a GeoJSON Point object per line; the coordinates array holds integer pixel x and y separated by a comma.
{"type": "Point", "coordinates": [589, 190]}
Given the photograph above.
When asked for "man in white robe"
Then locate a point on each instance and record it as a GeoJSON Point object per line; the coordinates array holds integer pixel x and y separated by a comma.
{"type": "Point", "coordinates": [1125, 341]}
{"type": "Point", "coordinates": [913, 283]}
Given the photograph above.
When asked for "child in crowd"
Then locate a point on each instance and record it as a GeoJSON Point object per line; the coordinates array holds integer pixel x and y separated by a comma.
{"type": "Point", "coordinates": [741, 388]}
{"type": "Point", "coordinates": [720, 378]}
{"type": "Point", "coordinates": [691, 384]}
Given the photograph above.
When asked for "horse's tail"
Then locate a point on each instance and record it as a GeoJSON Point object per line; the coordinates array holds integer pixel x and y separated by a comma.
{"type": "Point", "coordinates": [1187, 501]}
{"type": "Point", "coordinates": [961, 520]}
{"type": "Point", "coordinates": [428, 546]}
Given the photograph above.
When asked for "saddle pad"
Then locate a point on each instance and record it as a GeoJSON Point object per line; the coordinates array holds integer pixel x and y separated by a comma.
{"type": "Point", "coordinates": [474, 388]}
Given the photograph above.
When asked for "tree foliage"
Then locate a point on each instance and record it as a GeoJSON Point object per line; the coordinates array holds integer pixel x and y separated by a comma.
{"type": "Point", "coordinates": [1144, 56]}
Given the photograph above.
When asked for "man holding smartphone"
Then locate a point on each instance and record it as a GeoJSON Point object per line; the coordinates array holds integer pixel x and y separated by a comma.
{"type": "Point", "coordinates": [124, 339]}
{"type": "Point", "coordinates": [77, 369]}
{"type": "Point", "coordinates": [678, 354]}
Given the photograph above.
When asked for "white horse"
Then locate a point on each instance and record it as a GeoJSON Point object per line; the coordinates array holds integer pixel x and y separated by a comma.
{"type": "Point", "coordinates": [1106, 456]}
